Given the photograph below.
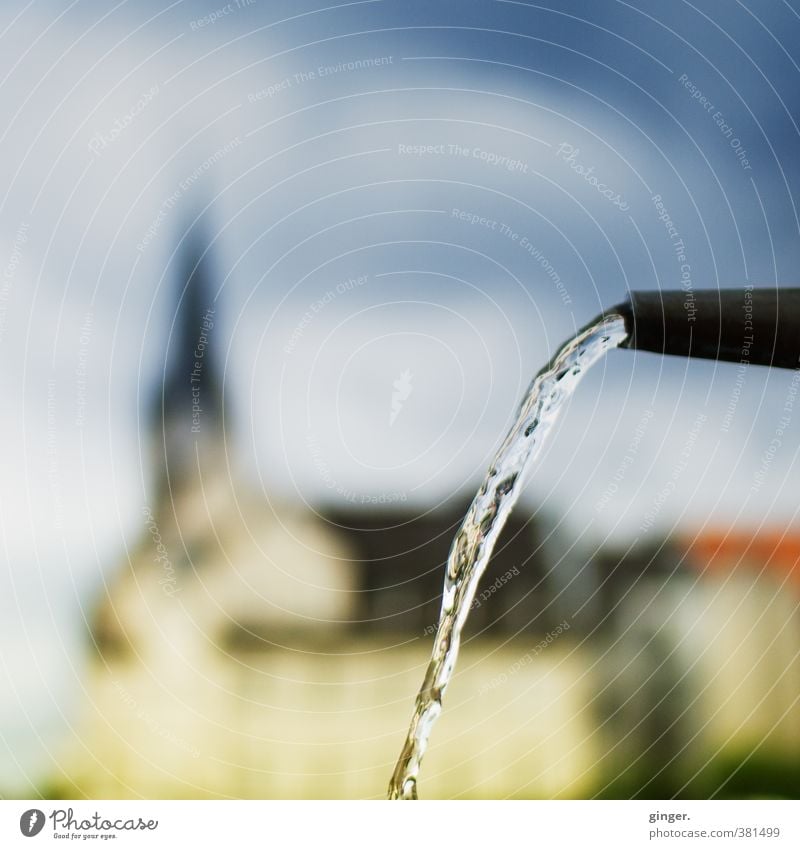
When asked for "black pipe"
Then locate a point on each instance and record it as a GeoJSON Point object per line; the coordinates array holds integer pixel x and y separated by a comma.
{"type": "Point", "coordinates": [758, 326]}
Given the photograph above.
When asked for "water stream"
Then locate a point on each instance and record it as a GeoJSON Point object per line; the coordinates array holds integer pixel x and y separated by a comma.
{"type": "Point", "coordinates": [472, 547]}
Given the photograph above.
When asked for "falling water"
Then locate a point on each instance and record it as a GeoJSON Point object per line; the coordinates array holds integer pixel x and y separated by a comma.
{"type": "Point", "coordinates": [472, 547]}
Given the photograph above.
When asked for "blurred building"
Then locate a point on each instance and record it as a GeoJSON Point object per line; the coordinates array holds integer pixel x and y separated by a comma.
{"type": "Point", "coordinates": [248, 648]}
{"type": "Point", "coordinates": [251, 648]}
{"type": "Point", "coordinates": [215, 558]}
{"type": "Point", "coordinates": [699, 692]}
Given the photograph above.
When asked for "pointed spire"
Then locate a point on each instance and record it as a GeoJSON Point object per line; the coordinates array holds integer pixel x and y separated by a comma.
{"type": "Point", "coordinates": [189, 407]}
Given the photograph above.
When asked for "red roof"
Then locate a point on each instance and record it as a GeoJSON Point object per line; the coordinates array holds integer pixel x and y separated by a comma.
{"type": "Point", "coordinates": [773, 552]}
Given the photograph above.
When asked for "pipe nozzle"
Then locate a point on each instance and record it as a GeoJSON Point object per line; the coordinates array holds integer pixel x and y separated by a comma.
{"type": "Point", "coordinates": [757, 326]}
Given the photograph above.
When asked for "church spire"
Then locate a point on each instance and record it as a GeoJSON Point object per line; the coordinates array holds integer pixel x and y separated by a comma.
{"type": "Point", "coordinates": [189, 409]}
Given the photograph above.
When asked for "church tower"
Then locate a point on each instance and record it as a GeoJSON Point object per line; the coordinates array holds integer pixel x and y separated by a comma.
{"type": "Point", "coordinates": [217, 564]}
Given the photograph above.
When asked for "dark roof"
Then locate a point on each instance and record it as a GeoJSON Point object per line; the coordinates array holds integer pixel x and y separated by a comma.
{"type": "Point", "coordinates": [400, 558]}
